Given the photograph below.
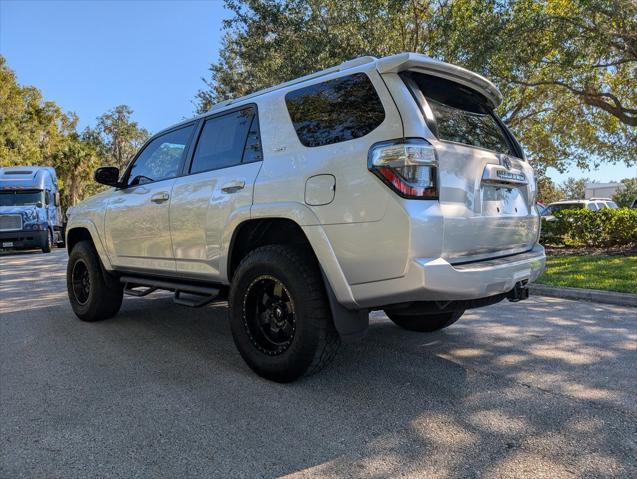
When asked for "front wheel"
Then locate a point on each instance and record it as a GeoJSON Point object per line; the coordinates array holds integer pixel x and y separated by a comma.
{"type": "Point", "coordinates": [46, 248]}
{"type": "Point", "coordinates": [93, 292]}
{"type": "Point", "coordinates": [280, 317]}
{"type": "Point", "coordinates": [425, 323]}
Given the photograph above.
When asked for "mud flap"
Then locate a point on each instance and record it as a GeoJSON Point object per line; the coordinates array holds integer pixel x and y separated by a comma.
{"type": "Point", "coordinates": [351, 324]}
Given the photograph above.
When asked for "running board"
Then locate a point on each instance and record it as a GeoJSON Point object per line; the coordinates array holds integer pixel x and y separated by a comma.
{"type": "Point", "coordinates": [206, 294]}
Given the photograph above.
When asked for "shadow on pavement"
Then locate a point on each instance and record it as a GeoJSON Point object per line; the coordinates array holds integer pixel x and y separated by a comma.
{"type": "Point", "coordinates": [542, 388]}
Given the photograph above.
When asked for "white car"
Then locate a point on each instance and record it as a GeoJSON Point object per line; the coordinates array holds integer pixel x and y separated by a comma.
{"type": "Point", "coordinates": [592, 204]}
{"type": "Point", "coordinates": [604, 203]}
{"type": "Point", "coordinates": [379, 184]}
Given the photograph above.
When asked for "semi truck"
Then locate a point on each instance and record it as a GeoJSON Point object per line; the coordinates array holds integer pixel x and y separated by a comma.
{"type": "Point", "coordinates": [30, 212]}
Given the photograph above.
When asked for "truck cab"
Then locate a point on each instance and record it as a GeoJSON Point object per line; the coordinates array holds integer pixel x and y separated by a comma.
{"type": "Point", "coordinates": [30, 212]}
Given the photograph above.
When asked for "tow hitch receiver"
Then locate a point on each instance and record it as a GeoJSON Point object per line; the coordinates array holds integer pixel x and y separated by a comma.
{"type": "Point", "coordinates": [519, 292]}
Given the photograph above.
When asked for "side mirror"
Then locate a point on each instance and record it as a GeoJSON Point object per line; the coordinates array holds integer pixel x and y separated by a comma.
{"type": "Point", "coordinates": [56, 199]}
{"type": "Point", "coordinates": [107, 175]}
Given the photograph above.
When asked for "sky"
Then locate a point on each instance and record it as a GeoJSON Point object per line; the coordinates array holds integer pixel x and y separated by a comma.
{"type": "Point", "coordinates": [89, 56]}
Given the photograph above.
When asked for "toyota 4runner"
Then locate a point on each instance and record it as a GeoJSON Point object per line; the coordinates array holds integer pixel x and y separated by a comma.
{"type": "Point", "coordinates": [379, 184]}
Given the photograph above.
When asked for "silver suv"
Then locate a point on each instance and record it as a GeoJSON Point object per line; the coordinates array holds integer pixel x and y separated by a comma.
{"type": "Point", "coordinates": [380, 184]}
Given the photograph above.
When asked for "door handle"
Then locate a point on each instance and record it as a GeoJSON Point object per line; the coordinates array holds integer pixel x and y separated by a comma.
{"type": "Point", "coordinates": [159, 197]}
{"type": "Point", "coordinates": [233, 186]}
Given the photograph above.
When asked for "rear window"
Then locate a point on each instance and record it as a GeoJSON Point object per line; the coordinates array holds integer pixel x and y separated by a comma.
{"type": "Point", "coordinates": [336, 110]}
{"type": "Point", "coordinates": [462, 115]}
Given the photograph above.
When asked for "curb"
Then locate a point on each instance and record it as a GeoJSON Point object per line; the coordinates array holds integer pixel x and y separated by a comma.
{"type": "Point", "coordinates": [594, 295]}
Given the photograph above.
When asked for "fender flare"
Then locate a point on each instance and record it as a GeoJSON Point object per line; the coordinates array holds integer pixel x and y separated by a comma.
{"type": "Point", "coordinates": [351, 322]}
{"type": "Point", "coordinates": [95, 237]}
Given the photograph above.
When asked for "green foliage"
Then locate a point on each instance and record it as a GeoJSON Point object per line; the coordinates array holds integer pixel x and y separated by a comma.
{"type": "Point", "coordinates": [75, 161]}
{"type": "Point", "coordinates": [583, 227]}
{"type": "Point", "coordinates": [610, 273]}
{"type": "Point", "coordinates": [565, 67]}
{"type": "Point", "coordinates": [547, 190]}
{"type": "Point", "coordinates": [31, 129]}
{"type": "Point", "coordinates": [627, 194]}
{"type": "Point", "coordinates": [116, 136]}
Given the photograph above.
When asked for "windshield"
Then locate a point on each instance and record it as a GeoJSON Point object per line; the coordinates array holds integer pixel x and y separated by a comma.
{"type": "Point", "coordinates": [564, 206]}
{"type": "Point", "coordinates": [21, 198]}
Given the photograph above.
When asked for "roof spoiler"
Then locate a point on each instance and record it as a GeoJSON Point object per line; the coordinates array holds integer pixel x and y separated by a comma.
{"type": "Point", "coordinates": [425, 64]}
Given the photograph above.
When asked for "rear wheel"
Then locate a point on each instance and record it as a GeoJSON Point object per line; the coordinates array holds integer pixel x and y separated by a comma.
{"type": "Point", "coordinates": [93, 292]}
{"type": "Point", "coordinates": [280, 317]}
{"type": "Point", "coordinates": [425, 323]}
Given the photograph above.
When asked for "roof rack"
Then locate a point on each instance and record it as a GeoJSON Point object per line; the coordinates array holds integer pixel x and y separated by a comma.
{"type": "Point", "coordinates": [343, 66]}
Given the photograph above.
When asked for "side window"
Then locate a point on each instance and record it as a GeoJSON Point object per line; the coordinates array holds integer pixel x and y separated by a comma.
{"type": "Point", "coordinates": [592, 206]}
{"type": "Point", "coordinates": [47, 197]}
{"type": "Point", "coordinates": [228, 140]}
{"type": "Point", "coordinates": [162, 157]}
{"type": "Point", "coordinates": [336, 110]}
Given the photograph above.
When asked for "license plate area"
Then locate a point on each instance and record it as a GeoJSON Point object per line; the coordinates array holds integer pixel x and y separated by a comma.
{"type": "Point", "coordinates": [7, 244]}
{"type": "Point", "coordinates": [500, 201]}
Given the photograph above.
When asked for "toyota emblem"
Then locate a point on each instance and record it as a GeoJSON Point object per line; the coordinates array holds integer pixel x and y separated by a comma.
{"type": "Point", "coordinates": [506, 162]}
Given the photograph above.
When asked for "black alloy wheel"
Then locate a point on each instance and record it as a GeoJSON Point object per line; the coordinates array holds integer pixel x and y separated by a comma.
{"type": "Point", "coordinates": [81, 281]}
{"type": "Point", "coordinates": [269, 316]}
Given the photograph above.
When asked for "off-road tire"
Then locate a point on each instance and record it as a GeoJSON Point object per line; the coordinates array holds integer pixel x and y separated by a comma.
{"type": "Point", "coordinates": [425, 323]}
{"type": "Point", "coordinates": [315, 341]}
{"type": "Point", "coordinates": [103, 296]}
{"type": "Point", "coordinates": [46, 248]}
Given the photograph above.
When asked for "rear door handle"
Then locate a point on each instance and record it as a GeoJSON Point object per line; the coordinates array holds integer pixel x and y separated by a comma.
{"type": "Point", "coordinates": [159, 197]}
{"type": "Point", "coordinates": [233, 186]}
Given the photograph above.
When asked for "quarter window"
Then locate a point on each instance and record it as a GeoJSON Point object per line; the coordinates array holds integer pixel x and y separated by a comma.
{"type": "Point", "coordinates": [162, 158]}
{"type": "Point", "coordinates": [336, 110]}
{"type": "Point", "coordinates": [228, 140]}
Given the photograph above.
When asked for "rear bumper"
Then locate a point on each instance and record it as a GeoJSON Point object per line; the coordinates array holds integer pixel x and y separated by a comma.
{"type": "Point", "coordinates": [430, 279]}
{"type": "Point", "coordinates": [23, 239]}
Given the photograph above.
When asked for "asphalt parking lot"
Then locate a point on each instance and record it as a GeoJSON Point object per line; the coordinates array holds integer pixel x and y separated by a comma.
{"type": "Point", "coordinates": [542, 388]}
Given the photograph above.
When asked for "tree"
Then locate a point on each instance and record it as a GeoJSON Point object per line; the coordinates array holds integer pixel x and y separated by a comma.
{"type": "Point", "coordinates": [627, 193]}
{"type": "Point", "coordinates": [37, 132]}
{"type": "Point", "coordinates": [116, 136]}
{"type": "Point", "coordinates": [574, 189]}
{"type": "Point", "coordinates": [75, 162]}
{"type": "Point", "coordinates": [548, 192]}
{"type": "Point", "coordinates": [31, 128]}
{"type": "Point", "coordinates": [566, 68]}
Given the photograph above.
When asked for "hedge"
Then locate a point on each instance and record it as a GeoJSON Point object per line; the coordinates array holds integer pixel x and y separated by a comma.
{"type": "Point", "coordinates": [582, 227]}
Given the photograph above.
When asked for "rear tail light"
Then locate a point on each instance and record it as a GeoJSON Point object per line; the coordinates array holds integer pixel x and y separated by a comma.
{"type": "Point", "coordinates": [409, 167]}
